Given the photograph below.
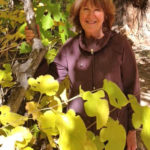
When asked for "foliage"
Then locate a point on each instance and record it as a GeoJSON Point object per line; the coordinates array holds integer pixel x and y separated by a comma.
{"type": "Point", "coordinates": [71, 129]}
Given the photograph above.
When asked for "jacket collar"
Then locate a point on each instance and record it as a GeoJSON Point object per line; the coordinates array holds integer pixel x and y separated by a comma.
{"type": "Point", "coordinates": [92, 43]}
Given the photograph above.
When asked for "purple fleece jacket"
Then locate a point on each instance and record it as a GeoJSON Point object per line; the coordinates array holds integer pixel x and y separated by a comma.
{"type": "Point", "coordinates": [88, 62]}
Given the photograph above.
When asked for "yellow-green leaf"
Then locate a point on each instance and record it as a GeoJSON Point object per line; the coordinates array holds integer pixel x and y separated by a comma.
{"type": "Point", "coordinates": [97, 106]}
{"type": "Point", "coordinates": [115, 134]}
{"type": "Point", "coordinates": [44, 84]}
{"type": "Point", "coordinates": [116, 96]}
{"type": "Point", "coordinates": [47, 123]}
{"type": "Point", "coordinates": [72, 131]}
{"type": "Point", "coordinates": [7, 117]}
{"type": "Point", "coordinates": [24, 134]}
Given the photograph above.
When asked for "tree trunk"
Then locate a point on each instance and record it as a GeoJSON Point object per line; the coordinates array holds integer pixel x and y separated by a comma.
{"type": "Point", "coordinates": [133, 17]}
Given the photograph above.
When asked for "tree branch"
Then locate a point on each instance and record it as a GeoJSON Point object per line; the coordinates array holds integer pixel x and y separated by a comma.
{"type": "Point", "coordinates": [27, 69]}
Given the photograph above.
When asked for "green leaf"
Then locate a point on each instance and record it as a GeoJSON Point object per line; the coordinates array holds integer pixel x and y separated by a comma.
{"type": "Point", "coordinates": [72, 131]}
{"type": "Point", "coordinates": [47, 22]}
{"type": "Point", "coordinates": [115, 134]}
{"type": "Point", "coordinates": [44, 84]}
{"type": "Point", "coordinates": [141, 117]}
{"type": "Point", "coordinates": [25, 48]}
{"type": "Point", "coordinates": [97, 106]}
{"type": "Point", "coordinates": [7, 117]}
{"type": "Point", "coordinates": [22, 28]}
{"type": "Point", "coordinates": [50, 55]}
{"type": "Point", "coordinates": [116, 96]}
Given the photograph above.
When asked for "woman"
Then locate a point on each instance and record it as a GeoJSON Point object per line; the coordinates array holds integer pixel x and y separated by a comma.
{"type": "Point", "coordinates": [95, 54]}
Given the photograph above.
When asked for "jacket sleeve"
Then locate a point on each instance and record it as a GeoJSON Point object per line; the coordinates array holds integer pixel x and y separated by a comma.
{"type": "Point", "coordinates": [59, 68]}
{"type": "Point", "coordinates": [130, 78]}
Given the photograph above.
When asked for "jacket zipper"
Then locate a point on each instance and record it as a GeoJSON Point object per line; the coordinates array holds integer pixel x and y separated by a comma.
{"type": "Point", "coordinates": [92, 53]}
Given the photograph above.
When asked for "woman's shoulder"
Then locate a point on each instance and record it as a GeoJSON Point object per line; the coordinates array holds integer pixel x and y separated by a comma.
{"type": "Point", "coordinates": [119, 42]}
{"type": "Point", "coordinates": [70, 42]}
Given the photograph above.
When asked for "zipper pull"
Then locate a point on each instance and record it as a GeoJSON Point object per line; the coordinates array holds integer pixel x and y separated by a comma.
{"type": "Point", "coordinates": [92, 51]}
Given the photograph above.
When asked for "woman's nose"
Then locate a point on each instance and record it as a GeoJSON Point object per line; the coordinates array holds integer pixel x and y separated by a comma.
{"type": "Point", "coordinates": [91, 14]}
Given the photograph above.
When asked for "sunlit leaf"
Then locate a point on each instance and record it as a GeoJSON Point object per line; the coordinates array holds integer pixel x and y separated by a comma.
{"type": "Point", "coordinates": [32, 108]}
{"type": "Point", "coordinates": [19, 137]}
{"type": "Point", "coordinates": [115, 134]}
{"type": "Point", "coordinates": [116, 96]}
{"type": "Point", "coordinates": [24, 133]}
{"type": "Point", "coordinates": [47, 123]}
{"type": "Point", "coordinates": [44, 84]}
{"type": "Point", "coordinates": [141, 117]}
{"type": "Point", "coordinates": [47, 22]}
{"type": "Point", "coordinates": [72, 131]}
{"type": "Point", "coordinates": [13, 119]}
{"type": "Point", "coordinates": [97, 106]}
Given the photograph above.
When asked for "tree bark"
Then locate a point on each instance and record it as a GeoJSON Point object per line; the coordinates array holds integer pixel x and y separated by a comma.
{"type": "Point", "coordinates": [133, 16]}
{"type": "Point", "coordinates": [27, 69]}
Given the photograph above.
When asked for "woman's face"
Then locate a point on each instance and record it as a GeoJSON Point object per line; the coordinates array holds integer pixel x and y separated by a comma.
{"type": "Point", "coordinates": [91, 20]}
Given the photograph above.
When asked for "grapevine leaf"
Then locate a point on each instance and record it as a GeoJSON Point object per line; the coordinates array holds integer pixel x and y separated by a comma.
{"type": "Point", "coordinates": [24, 134]}
{"type": "Point", "coordinates": [19, 137]}
{"type": "Point", "coordinates": [140, 118]}
{"type": "Point", "coordinates": [7, 117]}
{"type": "Point", "coordinates": [25, 48]}
{"type": "Point", "coordinates": [96, 106]}
{"type": "Point", "coordinates": [72, 131]}
{"type": "Point", "coordinates": [47, 123]}
{"type": "Point", "coordinates": [116, 96]}
{"type": "Point", "coordinates": [44, 84]}
{"type": "Point", "coordinates": [32, 108]}
{"type": "Point", "coordinates": [47, 22]}
{"type": "Point", "coordinates": [113, 133]}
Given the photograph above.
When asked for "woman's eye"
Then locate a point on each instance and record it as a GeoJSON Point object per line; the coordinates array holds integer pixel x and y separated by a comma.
{"type": "Point", "coordinates": [97, 9]}
{"type": "Point", "coordinates": [85, 9]}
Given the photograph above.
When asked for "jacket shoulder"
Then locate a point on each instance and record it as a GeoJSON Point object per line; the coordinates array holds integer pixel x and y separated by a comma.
{"type": "Point", "coordinates": [70, 42]}
{"type": "Point", "coordinates": [119, 42]}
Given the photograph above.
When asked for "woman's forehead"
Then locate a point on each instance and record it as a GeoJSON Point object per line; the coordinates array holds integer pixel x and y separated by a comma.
{"type": "Point", "coordinates": [95, 3]}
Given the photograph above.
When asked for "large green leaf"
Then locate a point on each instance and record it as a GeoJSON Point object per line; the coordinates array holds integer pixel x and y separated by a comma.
{"type": "Point", "coordinates": [47, 22]}
{"type": "Point", "coordinates": [115, 134]}
{"type": "Point", "coordinates": [116, 96]}
{"type": "Point", "coordinates": [141, 117]}
{"type": "Point", "coordinates": [96, 105]}
{"type": "Point", "coordinates": [72, 131]}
